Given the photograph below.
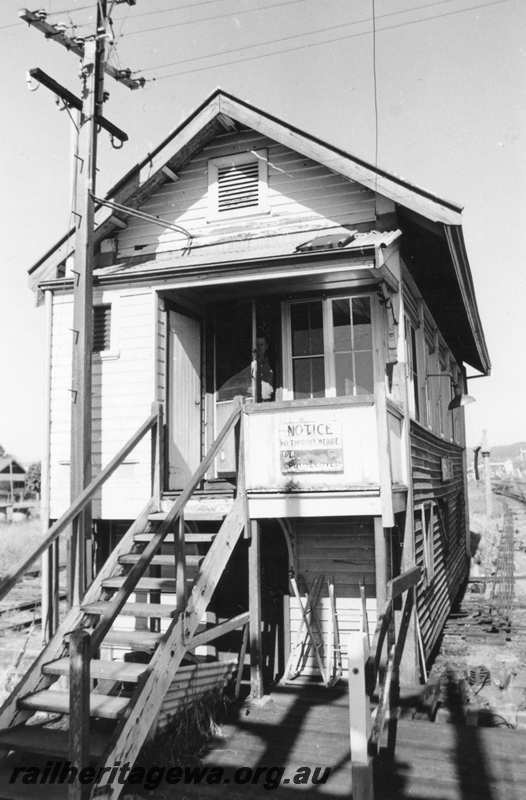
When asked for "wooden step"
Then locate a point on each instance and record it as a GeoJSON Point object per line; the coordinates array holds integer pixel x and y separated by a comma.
{"type": "Point", "coordinates": [159, 560]}
{"type": "Point", "coordinates": [48, 741]}
{"type": "Point", "coordinates": [192, 515]}
{"type": "Point", "coordinates": [136, 640]}
{"type": "Point", "coordinates": [101, 705]}
{"type": "Point", "coordinates": [190, 538]}
{"type": "Point", "coordinates": [124, 671]}
{"type": "Point", "coordinates": [134, 609]}
{"type": "Point", "coordinates": [144, 584]}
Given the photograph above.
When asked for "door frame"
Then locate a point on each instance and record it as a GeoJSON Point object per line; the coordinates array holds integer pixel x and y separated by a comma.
{"type": "Point", "coordinates": [200, 317]}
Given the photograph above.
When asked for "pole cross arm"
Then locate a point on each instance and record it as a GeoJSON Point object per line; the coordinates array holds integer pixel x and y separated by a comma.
{"type": "Point", "coordinates": [73, 101]}
{"type": "Point", "coordinates": [76, 45]}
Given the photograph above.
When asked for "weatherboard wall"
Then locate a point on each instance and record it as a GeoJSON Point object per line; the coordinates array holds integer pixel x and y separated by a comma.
{"type": "Point", "coordinates": [299, 190]}
{"type": "Point", "coordinates": [436, 593]}
{"type": "Point", "coordinates": [341, 550]}
{"type": "Point", "coordinates": [124, 384]}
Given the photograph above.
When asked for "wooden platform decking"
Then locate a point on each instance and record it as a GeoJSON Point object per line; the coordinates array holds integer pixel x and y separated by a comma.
{"type": "Point", "coordinates": [306, 726]}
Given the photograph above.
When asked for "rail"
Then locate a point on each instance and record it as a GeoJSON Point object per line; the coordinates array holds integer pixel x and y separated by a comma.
{"type": "Point", "coordinates": [152, 423]}
{"type": "Point", "coordinates": [371, 677]}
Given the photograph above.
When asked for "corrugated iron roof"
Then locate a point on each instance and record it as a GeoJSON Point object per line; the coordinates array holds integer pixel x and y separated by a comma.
{"type": "Point", "coordinates": [279, 246]}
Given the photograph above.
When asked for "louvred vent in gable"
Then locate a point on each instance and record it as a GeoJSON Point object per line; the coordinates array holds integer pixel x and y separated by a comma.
{"type": "Point", "coordinates": [238, 186]}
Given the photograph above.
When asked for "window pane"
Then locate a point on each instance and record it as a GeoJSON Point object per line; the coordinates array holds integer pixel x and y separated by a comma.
{"type": "Point", "coordinates": [364, 372]}
{"type": "Point", "coordinates": [316, 328]}
{"type": "Point", "coordinates": [344, 374]}
{"type": "Point", "coordinates": [299, 319]}
{"type": "Point", "coordinates": [308, 377]}
{"type": "Point", "coordinates": [361, 317]}
{"type": "Point", "coordinates": [307, 328]}
{"type": "Point", "coordinates": [341, 321]}
{"type": "Point", "coordinates": [318, 377]}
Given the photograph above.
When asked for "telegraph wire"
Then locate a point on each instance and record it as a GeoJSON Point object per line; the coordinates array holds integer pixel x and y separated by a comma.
{"type": "Point", "coordinates": [375, 93]}
{"type": "Point", "coordinates": [289, 38]}
{"type": "Point", "coordinates": [226, 15]}
{"type": "Point", "coordinates": [173, 9]}
{"type": "Point", "coordinates": [325, 41]}
{"type": "Point", "coordinates": [249, 46]}
{"type": "Point", "coordinates": [78, 25]}
{"type": "Point", "coordinates": [217, 16]}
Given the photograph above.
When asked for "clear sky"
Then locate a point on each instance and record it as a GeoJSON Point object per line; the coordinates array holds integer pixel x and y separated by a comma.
{"type": "Point", "coordinates": [451, 83]}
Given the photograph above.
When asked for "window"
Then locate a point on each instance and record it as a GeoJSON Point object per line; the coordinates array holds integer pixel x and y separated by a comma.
{"type": "Point", "coordinates": [308, 351]}
{"type": "Point", "coordinates": [101, 328]}
{"type": "Point", "coordinates": [412, 363]}
{"type": "Point", "coordinates": [237, 185]}
{"type": "Point", "coordinates": [427, 512]}
{"type": "Point", "coordinates": [428, 390]}
{"type": "Point", "coordinates": [331, 347]}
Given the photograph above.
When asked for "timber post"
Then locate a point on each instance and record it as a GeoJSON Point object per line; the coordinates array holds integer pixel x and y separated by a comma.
{"type": "Point", "coordinates": [81, 446]}
{"type": "Point", "coordinates": [254, 607]}
{"type": "Point", "coordinates": [79, 712]}
{"type": "Point", "coordinates": [180, 564]}
{"type": "Point", "coordinates": [487, 475]}
{"type": "Point", "coordinates": [157, 456]}
{"type": "Point", "coordinates": [359, 719]}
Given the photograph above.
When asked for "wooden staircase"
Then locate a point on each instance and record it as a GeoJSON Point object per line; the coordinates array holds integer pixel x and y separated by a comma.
{"type": "Point", "coordinates": [78, 703]}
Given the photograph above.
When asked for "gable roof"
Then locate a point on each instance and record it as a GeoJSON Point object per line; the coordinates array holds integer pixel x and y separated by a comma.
{"type": "Point", "coordinates": [217, 112]}
{"type": "Point", "coordinates": [5, 461]}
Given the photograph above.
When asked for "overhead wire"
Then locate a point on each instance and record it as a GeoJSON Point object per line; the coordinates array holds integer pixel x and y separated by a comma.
{"type": "Point", "coordinates": [292, 36]}
{"type": "Point", "coordinates": [375, 93]}
{"type": "Point", "coordinates": [69, 10]}
{"type": "Point", "coordinates": [215, 17]}
{"type": "Point", "coordinates": [323, 42]}
{"type": "Point", "coordinates": [173, 9]}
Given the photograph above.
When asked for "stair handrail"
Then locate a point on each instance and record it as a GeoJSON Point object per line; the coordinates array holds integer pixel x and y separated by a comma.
{"type": "Point", "coordinates": [119, 599]}
{"type": "Point", "coordinates": [388, 688]}
{"type": "Point", "coordinates": [153, 421]}
{"type": "Point", "coordinates": [367, 676]}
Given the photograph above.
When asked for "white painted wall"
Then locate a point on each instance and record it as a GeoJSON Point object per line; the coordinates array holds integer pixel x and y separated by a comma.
{"type": "Point", "coordinates": [124, 382]}
{"type": "Point", "coordinates": [299, 189]}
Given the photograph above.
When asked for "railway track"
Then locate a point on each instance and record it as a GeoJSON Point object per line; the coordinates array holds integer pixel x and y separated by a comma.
{"type": "Point", "coordinates": [24, 611]}
{"type": "Point", "coordinates": [21, 615]}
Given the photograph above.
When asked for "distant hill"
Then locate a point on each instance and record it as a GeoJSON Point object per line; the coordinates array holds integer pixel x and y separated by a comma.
{"type": "Point", "coordinates": [504, 451]}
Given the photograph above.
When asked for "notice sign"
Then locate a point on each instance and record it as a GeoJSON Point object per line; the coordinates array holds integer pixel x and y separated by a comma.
{"type": "Point", "coordinates": [311, 446]}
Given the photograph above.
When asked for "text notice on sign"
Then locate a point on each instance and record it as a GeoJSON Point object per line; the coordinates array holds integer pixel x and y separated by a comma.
{"type": "Point", "coordinates": [311, 446]}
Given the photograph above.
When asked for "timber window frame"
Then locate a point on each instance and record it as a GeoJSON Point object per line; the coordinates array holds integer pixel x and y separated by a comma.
{"type": "Point", "coordinates": [329, 349]}
{"type": "Point", "coordinates": [413, 367]}
{"type": "Point", "coordinates": [238, 185]}
{"type": "Point", "coordinates": [427, 517]}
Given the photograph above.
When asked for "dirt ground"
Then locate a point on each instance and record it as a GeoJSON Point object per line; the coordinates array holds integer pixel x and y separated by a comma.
{"type": "Point", "coordinates": [495, 669]}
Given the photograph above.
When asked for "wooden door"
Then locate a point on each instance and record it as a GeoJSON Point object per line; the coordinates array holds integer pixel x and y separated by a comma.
{"type": "Point", "coordinates": [184, 398]}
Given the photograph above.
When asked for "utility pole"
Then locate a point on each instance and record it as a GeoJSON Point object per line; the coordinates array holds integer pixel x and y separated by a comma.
{"type": "Point", "coordinates": [487, 475]}
{"type": "Point", "coordinates": [92, 99]}
{"type": "Point", "coordinates": [92, 50]}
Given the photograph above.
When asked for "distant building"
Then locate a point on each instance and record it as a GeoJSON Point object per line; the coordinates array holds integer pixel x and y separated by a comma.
{"type": "Point", "coordinates": [12, 477]}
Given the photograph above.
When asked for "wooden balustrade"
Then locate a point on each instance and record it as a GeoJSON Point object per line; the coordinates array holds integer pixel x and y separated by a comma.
{"type": "Point", "coordinates": [175, 513]}
{"type": "Point", "coordinates": [154, 421]}
{"type": "Point", "coordinates": [84, 645]}
{"type": "Point", "coordinates": [368, 677]}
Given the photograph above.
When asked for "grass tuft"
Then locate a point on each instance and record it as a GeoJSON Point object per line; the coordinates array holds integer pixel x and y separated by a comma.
{"type": "Point", "coordinates": [186, 737]}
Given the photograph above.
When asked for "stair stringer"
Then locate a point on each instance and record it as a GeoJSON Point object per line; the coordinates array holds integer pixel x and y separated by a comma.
{"type": "Point", "coordinates": [133, 730]}
{"type": "Point", "coordinates": [34, 680]}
